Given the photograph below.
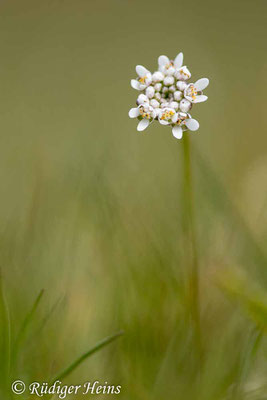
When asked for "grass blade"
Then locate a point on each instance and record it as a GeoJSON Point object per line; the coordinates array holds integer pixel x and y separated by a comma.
{"type": "Point", "coordinates": [89, 353]}
{"type": "Point", "coordinates": [29, 317]}
{"type": "Point", "coordinates": [47, 317]}
{"type": "Point", "coordinates": [25, 325]}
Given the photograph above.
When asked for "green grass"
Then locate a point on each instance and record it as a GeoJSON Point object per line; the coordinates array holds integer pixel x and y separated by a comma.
{"type": "Point", "coordinates": [130, 275]}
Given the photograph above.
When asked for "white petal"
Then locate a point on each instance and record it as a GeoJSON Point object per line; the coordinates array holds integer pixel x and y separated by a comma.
{"type": "Point", "coordinates": [157, 112]}
{"type": "Point", "coordinates": [163, 122]}
{"type": "Point", "coordinates": [135, 84]}
{"type": "Point", "coordinates": [141, 71]}
{"type": "Point", "coordinates": [201, 98]}
{"type": "Point", "coordinates": [178, 62]}
{"type": "Point", "coordinates": [201, 84]}
{"type": "Point", "coordinates": [142, 86]}
{"type": "Point", "coordinates": [183, 73]}
{"type": "Point", "coordinates": [175, 117]}
{"type": "Point", "coordinates": [143, 124]}
{"type": "Point", "coordinates": [163, 60]}
{"type": "Point", "coordinates": [134, 112]}
{"type": "Point", "coordinates": [177, 132]}
{"type": "Point", "coordinates": [153, 114]}
{"type": "Point", "coordinates": [192, 124]}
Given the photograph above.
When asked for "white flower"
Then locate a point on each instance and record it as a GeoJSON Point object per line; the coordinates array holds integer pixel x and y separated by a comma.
{"type": "Point", "coordinates": [166, 96]}
{"type": "Point", "coordinates": [193, 92]}
{"type": "Point", "coordinates": [169, 67]}
{"type": "Point", "coordinates": [181, 123]}
{"type": "Point", "coordinates": [144, 80]}
{"type": "Point", "coordinates": [145, 114]}
{"type": "Point", "coordinates": [183, 74]}
{"type": "Point", "coordinates": [167, 116]}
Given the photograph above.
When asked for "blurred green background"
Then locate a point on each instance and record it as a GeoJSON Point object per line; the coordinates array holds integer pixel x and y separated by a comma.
{"type": "Point", "coordinates": [91, 209]}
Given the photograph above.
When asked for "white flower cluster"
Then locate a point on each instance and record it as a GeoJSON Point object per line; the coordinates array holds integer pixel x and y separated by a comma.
{"type": "Point", "coordinates": [167, 96]}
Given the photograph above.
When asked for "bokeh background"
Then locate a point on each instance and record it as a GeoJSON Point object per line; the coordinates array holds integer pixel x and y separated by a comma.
{"type": "Point", "coordinates": [91, 209]}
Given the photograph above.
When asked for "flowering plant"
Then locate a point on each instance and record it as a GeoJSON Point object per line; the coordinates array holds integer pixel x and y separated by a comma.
{"type": "Point", "coordinates": [166, 96]}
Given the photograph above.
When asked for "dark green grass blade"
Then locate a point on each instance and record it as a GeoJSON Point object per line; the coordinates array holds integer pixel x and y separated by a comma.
{"type": "Point", "coordinates": [29, 317]}
{"type": "Point", "coordinates": [24, 327]}
{"type": "Point", "coordinates": [89, 353]}
{"type": "Point", "coordinates": [48, 317]}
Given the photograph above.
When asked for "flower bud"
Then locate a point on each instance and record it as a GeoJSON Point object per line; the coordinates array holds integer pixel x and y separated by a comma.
{"type": "Point", "coordinates": [150, 91]}
{"type": "Point", "coordinates": [142, 98]}
{"type": "Point", "coordinates": [172, 88]}
{"type": "Point", "coordinates": [165, 89]}
{"type": "Point", "coordinates": [157, 76]}
{"type": "Point", "coordinates": [181, 85]}
{"type": "Point", "coordinates": [154, 103]}
{"type": "Point", "coordinates": [178, 95]}
{"type": "Point", "coordinates": [168, 80]}
{"type": "Point", "coordinates": [158, 86]}
{"type": "Point", "coordinates": [185, 105]}
{"type": "Point", "coordinates": [174, 104]}
{"type": "Point", "coordinates": [164, 104]}
{"type": "Point", "coordinates": [157, 96]}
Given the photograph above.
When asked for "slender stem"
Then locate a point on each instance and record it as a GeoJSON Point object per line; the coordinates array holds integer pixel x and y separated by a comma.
{"type": "Point", "coordinates": [191, 246]}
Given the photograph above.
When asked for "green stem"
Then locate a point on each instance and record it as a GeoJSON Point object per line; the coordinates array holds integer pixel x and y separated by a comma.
{"type": "Point", "coordinates": [191, 246]}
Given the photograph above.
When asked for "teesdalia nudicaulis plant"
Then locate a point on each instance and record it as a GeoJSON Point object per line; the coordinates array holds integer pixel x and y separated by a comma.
{"type": "Point", "coordinates": [167, 96]}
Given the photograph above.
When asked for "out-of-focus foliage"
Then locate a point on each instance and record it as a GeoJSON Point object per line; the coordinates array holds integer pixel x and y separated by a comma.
{"type": "Point", "coordinates": [91, 210]}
